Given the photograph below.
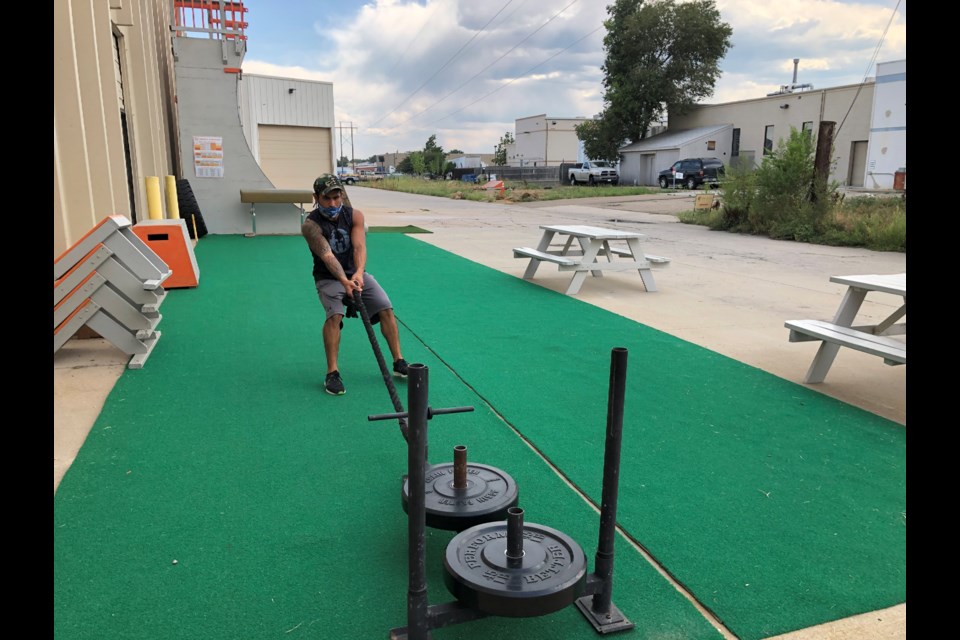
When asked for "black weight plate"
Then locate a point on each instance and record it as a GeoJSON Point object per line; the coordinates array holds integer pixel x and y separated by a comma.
{"type": "Point", "coordinates": [552, 573]}
{"type": "Point", "coordinates": [486, 498]}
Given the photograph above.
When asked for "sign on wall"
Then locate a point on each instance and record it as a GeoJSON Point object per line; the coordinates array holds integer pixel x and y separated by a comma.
{"type": "Point", "coordinates": [208, 156]}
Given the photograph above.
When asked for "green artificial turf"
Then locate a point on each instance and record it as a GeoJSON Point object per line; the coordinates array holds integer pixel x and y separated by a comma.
{"type": "Point", "coordinates": [777, 507]}
{"type": "Point", "coordinates": [221, 494]}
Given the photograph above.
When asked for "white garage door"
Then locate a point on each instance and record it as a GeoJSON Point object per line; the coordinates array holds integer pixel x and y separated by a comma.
{"type": "Point", "coordinates": [292, 157]}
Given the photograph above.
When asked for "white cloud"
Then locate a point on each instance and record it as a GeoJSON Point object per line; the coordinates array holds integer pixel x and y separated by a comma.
{"type": "Point", "coordinates": [465, 70]}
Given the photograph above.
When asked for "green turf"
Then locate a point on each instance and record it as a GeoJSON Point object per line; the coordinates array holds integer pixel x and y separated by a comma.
{"type": "Point", "coordinates": [221, 494]}
{"type": "Point", "coordinates": [777, 506]}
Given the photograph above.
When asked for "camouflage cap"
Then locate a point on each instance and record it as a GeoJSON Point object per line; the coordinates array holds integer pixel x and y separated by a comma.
{"type": "Point", "coordinates": [326, 183]}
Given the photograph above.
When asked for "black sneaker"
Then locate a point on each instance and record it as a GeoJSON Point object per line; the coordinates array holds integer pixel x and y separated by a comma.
{"type": "Point", "coordinates": [333, 384]}
{"type": "Point", "coordinates": [400, 368]}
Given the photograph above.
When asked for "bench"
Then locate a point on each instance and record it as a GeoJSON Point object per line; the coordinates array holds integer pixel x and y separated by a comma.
{"type": "Point", "coordinates": [253, 197]}
{"type": "Point", "coordinates": [567, 261]}
{"type": "Point", "coordinates": [656, 261]}
{"type": "Point", "coordinates": [892, 351]}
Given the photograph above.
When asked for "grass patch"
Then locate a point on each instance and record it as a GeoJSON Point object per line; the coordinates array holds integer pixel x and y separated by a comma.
{"type": "Point", "coordinates": [878, 223]}
{"type": "Point", "coordinates": [514, 190]}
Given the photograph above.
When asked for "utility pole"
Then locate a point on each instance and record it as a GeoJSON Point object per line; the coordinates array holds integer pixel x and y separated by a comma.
{"type": "Point", "coordinates": [353, 162]}
{"type": "Point", "coordinates": [821, 162]}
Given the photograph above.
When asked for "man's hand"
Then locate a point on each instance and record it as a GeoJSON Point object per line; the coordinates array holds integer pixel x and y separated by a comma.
{"type": "Point", "coordinates": [350, 285]}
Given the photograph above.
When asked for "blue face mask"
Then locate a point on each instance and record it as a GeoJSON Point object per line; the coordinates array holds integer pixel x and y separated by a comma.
{"type": "Point", "coordinates": [331, 212]}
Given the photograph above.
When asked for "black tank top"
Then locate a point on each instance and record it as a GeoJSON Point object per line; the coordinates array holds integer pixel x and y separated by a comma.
{"type": "Point", "coordinates": [337, 233]}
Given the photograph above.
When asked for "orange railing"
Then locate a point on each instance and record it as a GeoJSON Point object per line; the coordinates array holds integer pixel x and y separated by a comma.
{"type": "Point", "coordinates": [217, 19]}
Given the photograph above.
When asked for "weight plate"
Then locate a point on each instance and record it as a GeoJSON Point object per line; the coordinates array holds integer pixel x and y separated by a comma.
{"type": "Point", "coordinates": [551, 575]}
{"type": "Point", "coordinates": [486, 498]}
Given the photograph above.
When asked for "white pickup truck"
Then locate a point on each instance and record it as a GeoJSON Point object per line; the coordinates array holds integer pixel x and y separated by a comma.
{"type": "Point", "coordinates": [593, 172]}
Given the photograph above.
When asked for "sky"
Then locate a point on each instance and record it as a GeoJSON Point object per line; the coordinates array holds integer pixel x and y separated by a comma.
{"type": "Point", "coordinates": [465, 70]}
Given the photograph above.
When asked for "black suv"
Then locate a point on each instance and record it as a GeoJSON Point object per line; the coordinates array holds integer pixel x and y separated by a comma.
{"type": "Point", "coordinates": [692, 172]}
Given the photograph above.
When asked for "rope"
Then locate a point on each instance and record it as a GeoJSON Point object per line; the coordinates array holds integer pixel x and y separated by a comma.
{"type": "Point", "coordinates": [387, 379]}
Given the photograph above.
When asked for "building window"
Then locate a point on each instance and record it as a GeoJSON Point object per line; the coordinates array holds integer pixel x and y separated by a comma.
{"type": "Point", "coordinates": [768, 140]}
{"type": "Point", "coordinates": [735, 147]}
{"type": "Point", "coordinates": [807, 127]}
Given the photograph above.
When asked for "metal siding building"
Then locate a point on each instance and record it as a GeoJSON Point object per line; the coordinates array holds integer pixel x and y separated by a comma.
{"type": "Point", "coordinates": [544, 141]}
{"type": "Point", "coordinates": [851, 107]}
{"type": "Point", "coordinates": [888, 127]}
{"type": "Point", "coordinates": [641, 162]}
{"type": "Point", "coordinates": [114, 115]}
{"type": "Point", "coordinates": [289, 127]}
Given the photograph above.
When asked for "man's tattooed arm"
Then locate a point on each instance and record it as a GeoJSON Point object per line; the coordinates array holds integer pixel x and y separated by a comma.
{"type": "Point", "coordinates": [318, 244]}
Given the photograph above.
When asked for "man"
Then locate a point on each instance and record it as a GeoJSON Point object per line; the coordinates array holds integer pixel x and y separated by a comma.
{"type": "Point", "coordinates": [336, 235]}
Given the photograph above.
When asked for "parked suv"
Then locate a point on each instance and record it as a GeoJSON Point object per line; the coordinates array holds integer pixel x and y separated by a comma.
{"type": "Point", "coordinates": [693, 172]}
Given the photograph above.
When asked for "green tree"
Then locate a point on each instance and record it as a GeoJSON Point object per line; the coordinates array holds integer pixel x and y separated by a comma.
{"type": "Point", "coordinates": [784, 206]}
{"type": "Point", "coordinates": [601, 139]}
{"type": "Point", "coordinates": [500, 154]}
{"type": "Point", "coordinates": [405, 165]}
{"type": "Point", "coordinates": [661, 55]}
{"type": "Point", "coordinates": [343, 162]}
{"type": "Point", "coordinates": [452, 151]}
{"type": "Point", "coordinates": [433, 156]}
{"type": "Point", "coordinates": [782, 198]}
{"type": "Point", "coordinates": [417, 163]}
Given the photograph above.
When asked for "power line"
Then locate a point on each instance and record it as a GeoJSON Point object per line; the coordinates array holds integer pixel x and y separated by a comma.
{"type": "Point", "coordinates": [873, 60]}
{"type": "Point", "coordinates": [449, 60]}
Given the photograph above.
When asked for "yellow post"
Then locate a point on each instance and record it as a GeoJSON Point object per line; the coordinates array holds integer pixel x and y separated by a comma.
{"type": "Point", "coordinates": [173, 203]}
{"type": "Point", "coordinates": [154, 205]}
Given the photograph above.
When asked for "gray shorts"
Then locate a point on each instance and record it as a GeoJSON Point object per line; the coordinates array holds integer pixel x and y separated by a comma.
{"type": "Point", "coordinates": [374, 298]}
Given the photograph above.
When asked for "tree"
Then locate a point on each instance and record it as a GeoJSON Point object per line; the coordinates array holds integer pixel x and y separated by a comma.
{"type": "Point", "coordinates": [417, 163]}
{"type": "Point", "coordinates": [453, 151]}
{"type": "Point", "coordinates": [661, 56]}
{"type": "Point", "coordinates": [500, 154]}
{"type": "Point", "coordinates": [601, 139]}
{"type": "Point", "coordinates": [343, 162]}
{"type": "Point", "coordinates": [433, 156]}
{"type": "Point", "coordinates": [405, 165]}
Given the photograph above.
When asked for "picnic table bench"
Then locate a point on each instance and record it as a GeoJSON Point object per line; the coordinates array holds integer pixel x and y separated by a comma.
{"type": "Point", "coordinates": [874, 339]}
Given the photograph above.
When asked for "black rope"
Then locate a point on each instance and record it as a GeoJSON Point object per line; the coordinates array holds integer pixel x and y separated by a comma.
{"type": "Point", "coordinates": [387, 379]}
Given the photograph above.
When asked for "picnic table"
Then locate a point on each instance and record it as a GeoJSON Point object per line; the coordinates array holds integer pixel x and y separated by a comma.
{"type": "Point", "coordinates": [875, 339]}
{"type": "Point", "coordinates": [592, 254]}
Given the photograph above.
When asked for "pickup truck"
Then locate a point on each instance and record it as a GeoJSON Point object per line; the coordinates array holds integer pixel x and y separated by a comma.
{"type": "Point", "coordinates": [593, 172]}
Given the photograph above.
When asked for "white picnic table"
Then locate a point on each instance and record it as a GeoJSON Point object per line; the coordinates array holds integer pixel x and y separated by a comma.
{"type": "Point", "coordinates": [592, 254]}
{"type": "Point", "coordinates": [875, 339]}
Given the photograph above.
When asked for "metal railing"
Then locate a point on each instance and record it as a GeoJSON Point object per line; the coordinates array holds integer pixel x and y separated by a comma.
{"type": "Point", "coordinates": [217, 19]}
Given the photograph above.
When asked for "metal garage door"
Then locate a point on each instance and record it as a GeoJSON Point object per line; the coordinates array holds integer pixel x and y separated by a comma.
{"type": "Point", "coordinates": [291, 157]}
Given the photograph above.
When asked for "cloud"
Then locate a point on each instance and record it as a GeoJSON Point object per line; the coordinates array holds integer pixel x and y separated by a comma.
{"type": "Point", "coordinates": [465, 71]}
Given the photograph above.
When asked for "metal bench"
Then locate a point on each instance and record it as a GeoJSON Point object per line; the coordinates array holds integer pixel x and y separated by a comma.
{"type": "Point", "coordinates": [253, 197]}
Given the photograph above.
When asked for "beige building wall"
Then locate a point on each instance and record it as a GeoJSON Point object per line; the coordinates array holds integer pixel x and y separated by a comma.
{"type": "Point", "coordinates": [544, 141]}
{"type": "Point", "coordinates": [850, 107]}
{"type": "Point", "coordinates": [112, 62]}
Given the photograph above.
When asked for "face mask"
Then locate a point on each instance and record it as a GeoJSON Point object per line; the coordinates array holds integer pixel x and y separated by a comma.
{"type": "Point", "coordinates": [331, 212]}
